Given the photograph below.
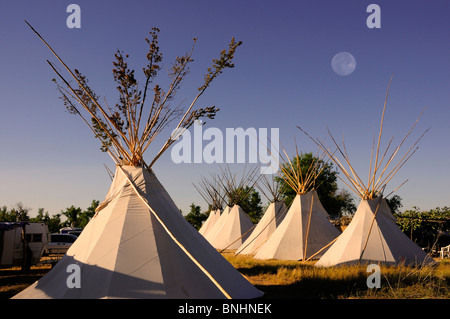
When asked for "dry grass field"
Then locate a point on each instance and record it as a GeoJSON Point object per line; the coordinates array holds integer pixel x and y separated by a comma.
{"type": "Point", "coordinates": [13, 280]}
{"type": "Point", "coordinates": [301, 280]}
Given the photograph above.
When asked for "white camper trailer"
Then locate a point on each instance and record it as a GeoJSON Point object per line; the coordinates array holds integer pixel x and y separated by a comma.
{"type": "Point", "coordinates": [17, 238]}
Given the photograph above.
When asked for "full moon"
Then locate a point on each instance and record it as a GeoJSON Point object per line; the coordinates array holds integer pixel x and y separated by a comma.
{"type": "Point", "coordinates": [343, 63]}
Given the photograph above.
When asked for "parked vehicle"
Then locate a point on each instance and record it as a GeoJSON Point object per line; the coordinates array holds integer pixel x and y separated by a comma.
{"type": "Point", "coordinates": [59, 244]}
{"type": "Point", "coordinates": [75, 232]}
{"type": "Point", "coordinates": [71, 230]}
{"type": "Point", "coordinates": [21, 240]}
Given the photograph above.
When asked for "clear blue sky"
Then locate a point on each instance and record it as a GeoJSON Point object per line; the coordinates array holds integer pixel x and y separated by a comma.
{"type": "Point", "coordinates": [283, 78]}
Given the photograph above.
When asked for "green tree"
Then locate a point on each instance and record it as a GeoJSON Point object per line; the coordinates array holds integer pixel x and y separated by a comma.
{"type": "Point", "coordinates": [42, 217]}
{"type": "Point", "coordinates": [341, 202]}
{"type": "Point", "coordinates": [72, 214]}
{"type": "Point", "coordinates": [20, 212]}
{"type": "Point", "coordinates": [394, 203]}
{"type": "Point", "coordinates": [6, 216]}
{"type": "Point", "coordinates": [196, 217]}
{"type": "Point", "coordinates": [251, 204]}
{"type": "Point", "coordinates": [54, 223]}
{"type": "Point", "coordinates": [87, 214]}
{"type": "Point", "coordinates": [424, 227]}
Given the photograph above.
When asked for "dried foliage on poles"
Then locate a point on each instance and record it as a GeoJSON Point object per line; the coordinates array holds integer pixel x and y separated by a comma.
{"type": "Point", "coordinates": [211, 192]}
{"type": "Point", "coordinates": [128, 128]}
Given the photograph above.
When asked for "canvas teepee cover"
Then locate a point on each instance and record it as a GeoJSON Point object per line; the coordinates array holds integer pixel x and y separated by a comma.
{"type": "Point", "coordinates": [271, 219]}
{"type": "Point", "coordinates": [214, 215]}
{"type": "Point", "coordinates": [213, 229]}
{"type": "Point", "coordinates": [302, 233]}
{"type": "Point", "coordinates": [234, 225]}
{"type": "Point", "coordinates": [233, 231]}
{"type": "Point", "coordinates": [305, 229]}
{"type": "Point", "coordinates": [138, 245]}
{"type": "Point", "coordinates": [124, 251]}
{"type": "Point", "coordinates": [373, 237]}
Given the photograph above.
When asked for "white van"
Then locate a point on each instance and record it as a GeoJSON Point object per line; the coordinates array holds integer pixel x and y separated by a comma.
{"type": "Point", "coordinates": [12, 242]}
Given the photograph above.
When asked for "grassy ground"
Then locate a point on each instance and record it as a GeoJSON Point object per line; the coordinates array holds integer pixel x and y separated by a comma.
{"type": "Point", "coordinates": [296, 279]}
{"type": "Point", "coordinates": [301, 280]}
{"type": "Point", "coordinates": [13, 280]}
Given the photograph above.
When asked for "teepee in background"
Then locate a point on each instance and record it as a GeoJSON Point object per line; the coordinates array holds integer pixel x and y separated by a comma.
{"type": "Point", "coordinates": [373, 236]}
{"type": "Point", "coordinates": [234, 225]}
{"type": "Point", "coordinates": [210, 191]}
{"type": "Point", "coordinates": [271, 219]}
{"type": "Point", "coordinates": [305, 229]}
{"type": "Point", "coordinates": [138, 245]}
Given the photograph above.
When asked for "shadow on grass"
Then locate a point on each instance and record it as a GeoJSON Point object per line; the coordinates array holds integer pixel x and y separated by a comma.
{"type": "Point", "coordinates": [305, 281]}
{"type": "Point", "coordinates": [308, 286]}
{"type": "Point", "coordinates": [13, 281]}
{"type": "Point", "coordinates": [312, 289]}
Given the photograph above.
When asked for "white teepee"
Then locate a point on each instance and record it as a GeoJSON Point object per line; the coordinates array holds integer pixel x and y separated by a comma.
{"type": "Point", "coordinates": [138, 245]}
{"type": "Point", "coordinates": [212, 232]}
{"type": "Point", "coordinates": [271, 219]}
{"type": "Point", "coordinates": [126, 252]}
{"type": "Point", "coordinates": [303, 232]}
{"type": "Point", "coordinates": [209, 223]}
{"type": "Point", "coordinates": [372, 235]}
{"type": "Point", "coordinates": [234, 230]}
{"type": "Point", "coordinates": [210, 191]}
{"type": "Point", "coordinates": [306, 229]}
{"type": "Point", "coordinates": [234, 226]}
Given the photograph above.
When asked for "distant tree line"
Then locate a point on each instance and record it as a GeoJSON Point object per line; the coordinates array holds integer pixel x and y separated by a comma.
{"type": "Point", "coordinates": [75, 216]}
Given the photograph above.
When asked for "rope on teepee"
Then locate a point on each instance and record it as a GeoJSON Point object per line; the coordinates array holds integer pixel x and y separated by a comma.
{"type": "Point", "coordinates": [284, 211]}
{"type": "Point", "coordinates": [370, 229]}
{"type": "Point", "coordinates": [307, 230]}
{"type": "Point", "coordinates": [221, 251]}
{"type": "Point", "coordinates": [327, 245]}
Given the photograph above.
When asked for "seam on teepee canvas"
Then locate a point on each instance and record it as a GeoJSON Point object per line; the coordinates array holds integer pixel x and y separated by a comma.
{"type": "Point", "coordinates": [174, 238]}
